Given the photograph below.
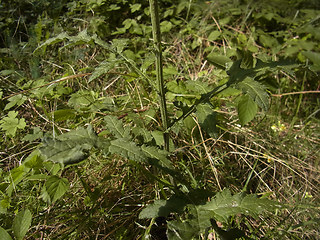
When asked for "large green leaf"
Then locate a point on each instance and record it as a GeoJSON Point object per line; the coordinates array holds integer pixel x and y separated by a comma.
{"type": "Point", "coordinates": [224, 205]}
{"type": "Point", "coordinates": [201, 216]}
{"type": "Point", "coordinates": [56, 187]}
{"type": "Point", "coordinates": [256, 91]}
{"type": "Point", "coordinates": [71, 147]}
{"type": "Point", "coordinates": [127, 149]}
{"type": "Point", "coordinates": [247, 109]}
{"type": "Point", "coordinates": [21, 223]}
{"type": "Point", "coordinates": [4, 234]}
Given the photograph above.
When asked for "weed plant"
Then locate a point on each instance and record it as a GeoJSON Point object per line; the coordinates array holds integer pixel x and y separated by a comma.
{"type": "Point", "coordinates": [102, 140]}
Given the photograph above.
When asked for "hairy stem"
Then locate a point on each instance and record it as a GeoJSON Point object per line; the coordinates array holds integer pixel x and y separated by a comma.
{"type": "Point", "coordinates": [159, 69]}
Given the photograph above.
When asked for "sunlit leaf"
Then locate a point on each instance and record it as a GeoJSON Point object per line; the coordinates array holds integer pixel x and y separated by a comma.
{"type": "Point", "coordinates": [247, 109]}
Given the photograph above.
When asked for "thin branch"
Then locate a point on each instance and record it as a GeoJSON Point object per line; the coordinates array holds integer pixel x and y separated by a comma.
{"type": "Point", "coordinates": [294, 93]}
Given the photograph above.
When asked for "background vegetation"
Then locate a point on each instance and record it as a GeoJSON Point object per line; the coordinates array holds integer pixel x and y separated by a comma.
{"type": "Point", "coordinates": [77, 76]}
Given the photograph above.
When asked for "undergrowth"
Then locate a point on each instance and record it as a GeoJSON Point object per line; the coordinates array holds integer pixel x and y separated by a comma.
{"type": "Point", "coordinates": [82, 149]}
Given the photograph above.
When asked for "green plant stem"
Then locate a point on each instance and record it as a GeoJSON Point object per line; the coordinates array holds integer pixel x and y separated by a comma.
{"type": "Point", "coordinates": [159, 69]}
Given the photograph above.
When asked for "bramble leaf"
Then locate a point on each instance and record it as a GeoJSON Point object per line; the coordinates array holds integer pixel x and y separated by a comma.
{"type": "Point", "coordinates": [247, 109]}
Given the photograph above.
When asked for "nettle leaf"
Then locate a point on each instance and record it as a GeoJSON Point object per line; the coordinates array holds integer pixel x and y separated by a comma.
{"type": "Point", "coordinates": [21, 223]}
{"type": "Point", "coordinates": [11, 124]}
{"type": "Point", "coordinates": [56, 187]}
{"type": "Point", "coordinates": [247, 109]}
{"type": "Point", "coordinates": [256, 91]}
{"type": "Point", "coordinates": [71, 147]}
{"type": "Point", "coordinates": [127, 150]}
{"type": "Point", "coordinates": [116, 127]}
{"type": "Point", "coordinates": [224, 205]}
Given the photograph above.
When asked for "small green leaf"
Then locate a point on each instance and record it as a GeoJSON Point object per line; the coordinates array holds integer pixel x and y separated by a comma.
{"type": "Point", "coordinates": [135, 7]}
{"type": "Point", "coordinates": [11, 124]}
{"type": "Point", "coordinates": [21, 224]}
{"type": "Point", "coordinates": [162, 208]}
{"type": "Point", "coordinates": [247, 109]}
{"type": "Point", "coordinates": [220, 61]}
{"type": "Point", "coordinates": [4, 234]}
{"type": "Point", "coordinates": [64, 114]}
{"type": "Point", "coordinates": [37, 134]}
{"type": "Point", "coordinates": [166, 26]}
{"type": "Point", "coordinates": [207, 119]}
{"type": "Point", "coordinates": [17, 100]}
{"type": "Point", "coordinates": [56, 187]}
{"type": "Point", "coordinates": [214, 35]}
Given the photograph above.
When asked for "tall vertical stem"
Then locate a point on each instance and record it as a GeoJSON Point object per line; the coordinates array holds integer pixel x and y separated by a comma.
{"type": "Point", "coordinates": [159, 71]}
